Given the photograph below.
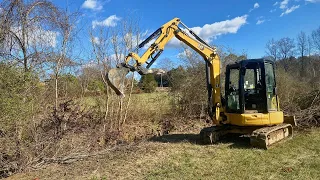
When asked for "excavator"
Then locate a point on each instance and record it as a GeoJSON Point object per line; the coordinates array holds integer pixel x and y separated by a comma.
{"type": "Point", "coordinates": [250, 105]}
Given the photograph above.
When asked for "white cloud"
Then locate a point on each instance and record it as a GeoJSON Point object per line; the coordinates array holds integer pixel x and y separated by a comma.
{"type": "Point", "coordinates": [255, 6]}
{"type": "Point", "coordinates": [90, 64]}
{"type": "Point", "coordinates": [273, 10]}
{"type": "Point", "coordinates": [260, 21]}
{"type": "Point", "coordinates": [312, 1]}
{"type": "Point", "coordinates": [210, 31]}
{"type": "Point", "coordinates": [92, 4]}
{"type": "Point", "coordinates": [276, 3]}
{"type": "Point", "coordinates": [284, 4]}
{"type": "Point", "coordinates": [38, 36]}
{"type": "Point", "coordinates": [41, 36]}
{"type": "Point", "coordinates": [290, 10]}
{"type": "Point", "coordinates": [96, 40]}
{"type": "Point", "coordinates": [111, 21]}
{"type": "Point", "coordinates": [116, 57]}
{"type": "Point", "coordinates": [184, 54]}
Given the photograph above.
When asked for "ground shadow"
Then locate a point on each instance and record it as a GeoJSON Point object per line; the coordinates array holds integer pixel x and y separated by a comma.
{"type": "Point", "coordinates": [176, 138]}
{"type": "Point", "coordinates": [235, 140]}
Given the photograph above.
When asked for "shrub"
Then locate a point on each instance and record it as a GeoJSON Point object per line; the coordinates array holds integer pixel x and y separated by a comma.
{"type": "Point", "coordinates": [148, 83]}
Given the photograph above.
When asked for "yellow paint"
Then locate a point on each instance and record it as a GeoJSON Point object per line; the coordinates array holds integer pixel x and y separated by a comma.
{"type": "Point", "coordinates": [255, 119]}
{"type": "Point", "coordinates": [171, 29]}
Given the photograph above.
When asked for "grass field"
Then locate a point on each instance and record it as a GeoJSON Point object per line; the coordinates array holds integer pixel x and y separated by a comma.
{"type": "Point", "coordinates": [147, 101]}
{"type": "Point", "coordinates": [178, 156]}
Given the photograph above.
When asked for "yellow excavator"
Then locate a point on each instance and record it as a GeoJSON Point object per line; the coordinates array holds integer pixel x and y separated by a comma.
{"type": "Point", "coordinates": [251, 104]}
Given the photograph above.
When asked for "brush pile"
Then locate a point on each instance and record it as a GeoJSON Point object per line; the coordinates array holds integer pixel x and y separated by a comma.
{"type": "Point", "coordinates": [309, 113]}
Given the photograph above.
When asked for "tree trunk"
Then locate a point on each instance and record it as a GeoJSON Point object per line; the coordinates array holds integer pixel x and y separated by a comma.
{"type": "Point", "coordinates": [56, 92]}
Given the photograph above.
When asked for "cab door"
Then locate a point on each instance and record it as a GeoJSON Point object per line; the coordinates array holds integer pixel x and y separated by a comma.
{"type": "Point", "coordinates": [272, 99]}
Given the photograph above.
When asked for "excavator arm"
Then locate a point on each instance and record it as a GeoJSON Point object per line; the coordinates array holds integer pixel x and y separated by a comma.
{"type": "Point", "coordinates": [163, 35]}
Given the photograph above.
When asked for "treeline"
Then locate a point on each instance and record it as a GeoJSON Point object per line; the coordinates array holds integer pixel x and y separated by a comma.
{"type": "Point", "coordinates": [303, 51]}
{"type": "Point", "coordinates": [298, 64]}
{"type": "Point", "coordinates": [49, 96]}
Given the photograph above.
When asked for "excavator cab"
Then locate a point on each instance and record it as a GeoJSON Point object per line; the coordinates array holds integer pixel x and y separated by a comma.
{"type": "Point", "coordinates": [251, 87]}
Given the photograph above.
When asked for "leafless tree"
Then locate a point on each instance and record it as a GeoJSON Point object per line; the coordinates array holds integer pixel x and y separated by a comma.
{"type": "Point", "coordinates": [189, 57]}
{"type": "Point", "coordinates": [27, 33]}
{"type": "Point", "coordinates": [316, 39]}
{"type": "Point", "coordinates": [272, 49]}
{"type": "Point", "coordinates": [6, 19]}
{"type": "Point", "coordinates": [60, 56]}
{"type": "Point", "coordinates": [101, 44]}
{"type": "Point", "coordinates": [310, 45]}
{"type": "Point", "coordinates": [286, 49]}
{"type": "Point", "coordinates": [166, 64]}
{"type": "Point", "coordinates": [302, 43]}
{"type": "Point", "coordinates": [110, 45]}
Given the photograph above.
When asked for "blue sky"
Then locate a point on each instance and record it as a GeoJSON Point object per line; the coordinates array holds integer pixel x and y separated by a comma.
{"type": "Point", "coordinates": [243, 25]}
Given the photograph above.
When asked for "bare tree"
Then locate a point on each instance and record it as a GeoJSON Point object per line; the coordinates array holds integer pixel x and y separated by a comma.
{"type": "Point", "coordinates": [310, 45]}
{"type": "Point", "coordinates": [6, 19]}
{"type": "Point", "coordinates": [311, 63]}
{"type": "Point", "coordinates": [101, 44]}
{"type": "Point", "coordinates": [286, 47]}
{"type": "Point", "coordinates": [272, 49]}
{"type": "Point", "coordinates": [302, 43]}
{"type": "Point", "coordinates": [286, 50]}
{"type": "Point", "coordinates": [27, 33]}
{"type": "Point", "coordinates": [110, 45]}
{"type": "Point", "coordinates": [189, 56]}
{"type": "Point", "coordinates": [60, 56]}
{"type": "Point", "coordinates": [316, 39]}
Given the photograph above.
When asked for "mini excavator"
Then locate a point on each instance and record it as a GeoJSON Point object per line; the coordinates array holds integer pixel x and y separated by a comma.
{"type": "Point", "coordinates": [251, 104]}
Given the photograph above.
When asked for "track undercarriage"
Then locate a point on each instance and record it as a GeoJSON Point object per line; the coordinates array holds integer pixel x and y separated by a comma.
{"type": "Point", "coordinates": [260, 137]}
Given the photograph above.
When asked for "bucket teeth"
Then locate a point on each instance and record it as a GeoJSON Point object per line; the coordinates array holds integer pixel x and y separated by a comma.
{"type": "Point", "coordinates": [115, 79]}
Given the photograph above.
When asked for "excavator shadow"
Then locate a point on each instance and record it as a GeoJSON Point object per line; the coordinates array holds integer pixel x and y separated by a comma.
{"type": "Point", "coordinates": [233, 140]}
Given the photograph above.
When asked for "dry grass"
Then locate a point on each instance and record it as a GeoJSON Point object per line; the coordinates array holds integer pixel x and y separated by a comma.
{"type": "Point", "coordinates": [79, 126]}
{"type": "Point", "coordinates": [180, 157]}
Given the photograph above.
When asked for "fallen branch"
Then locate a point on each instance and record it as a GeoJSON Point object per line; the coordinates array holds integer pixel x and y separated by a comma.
{"type": "Point", "coordinates": [71, 158]}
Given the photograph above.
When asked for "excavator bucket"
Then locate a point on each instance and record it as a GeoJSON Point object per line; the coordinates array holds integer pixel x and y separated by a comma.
{"type": "Point", "coordinates": [115, 79]}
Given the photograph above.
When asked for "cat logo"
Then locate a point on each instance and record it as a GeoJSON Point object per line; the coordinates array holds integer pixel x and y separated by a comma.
{"type": "Point", "coordinates": [201, 47]}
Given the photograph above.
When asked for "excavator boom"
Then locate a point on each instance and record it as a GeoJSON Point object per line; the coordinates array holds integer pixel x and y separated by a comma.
{"type": "Point", "coordinates": [162, 36]}
{"type": "Point", "coordinates": [251, 103]}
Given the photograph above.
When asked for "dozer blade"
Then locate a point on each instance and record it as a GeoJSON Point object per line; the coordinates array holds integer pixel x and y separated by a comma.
{"type": "Point", "coordinates": [115, 79]}
{"type": "Point", "coordinates": [268, 136]}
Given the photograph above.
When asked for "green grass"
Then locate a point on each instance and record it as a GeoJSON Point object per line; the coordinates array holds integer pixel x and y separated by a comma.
{"type": "Point", "coordinates": [298, 158]}
{"type": "Point", "coordinates": [181, 158]}
{"type": "Point", "coordinates": [151, 101]}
